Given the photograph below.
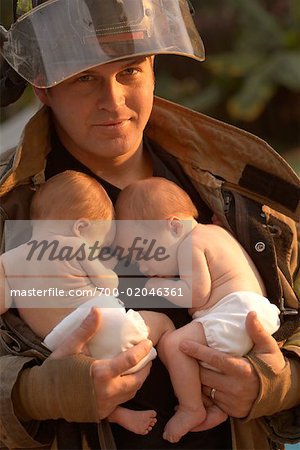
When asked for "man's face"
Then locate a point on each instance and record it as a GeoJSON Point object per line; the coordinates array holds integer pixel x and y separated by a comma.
{"type": "Point", "coordinates": [103, 111]}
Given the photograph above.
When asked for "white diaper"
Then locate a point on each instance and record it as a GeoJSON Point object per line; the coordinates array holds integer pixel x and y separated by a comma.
{"type": "Point", "coordinates": [119, 330]}
{"type": "Point", "coordinates": [224, 323]}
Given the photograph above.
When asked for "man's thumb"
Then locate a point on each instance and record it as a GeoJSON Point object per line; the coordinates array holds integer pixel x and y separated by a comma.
{"type": "Point", "coordinates": [263, 342]}
{"type": "Point", "coordinates": [76, 342]}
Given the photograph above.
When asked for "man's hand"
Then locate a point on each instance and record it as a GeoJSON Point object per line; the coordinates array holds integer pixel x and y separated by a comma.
{"type": "Point", "coordinates": [111, 387]}
{"type": "Point", "coordinates": [265, 347]}
{"type": "Point", "coordinates": [76, 342]}
{"type": "Point", "coordinates": [214, 417]}
{"type": "Point", "coordinates": [236, 383]}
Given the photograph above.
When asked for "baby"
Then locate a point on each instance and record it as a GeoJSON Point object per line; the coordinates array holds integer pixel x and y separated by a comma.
{"type": "Point", "coordinates": [225, 285]}
{"type": "Point", "coordinates": [72, 221]}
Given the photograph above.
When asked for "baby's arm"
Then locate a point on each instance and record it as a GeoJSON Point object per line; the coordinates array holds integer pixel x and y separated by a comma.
{"type": "Point", "coordinates": [111, 262]}
{"type": "Point", "coordinates": [194, 286]}
{"type": "Point", "coordinates": [5, 298]}
{"type": "Point", "coordinates": [99, 275]}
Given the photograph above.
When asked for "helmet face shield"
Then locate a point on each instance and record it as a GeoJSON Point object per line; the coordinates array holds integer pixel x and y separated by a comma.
{"type": "Point", "coordinates": [61, 38]}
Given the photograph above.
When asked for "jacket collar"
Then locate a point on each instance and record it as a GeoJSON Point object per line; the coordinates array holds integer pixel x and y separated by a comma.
{"type": "Point", "coordinates": [29, 158]}
{"type": "Point", "coordinates": [195, 139]}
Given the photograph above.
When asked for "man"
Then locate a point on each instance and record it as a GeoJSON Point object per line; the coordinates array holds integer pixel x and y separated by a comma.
{"type": "Point", "coordinates": [97, 87]}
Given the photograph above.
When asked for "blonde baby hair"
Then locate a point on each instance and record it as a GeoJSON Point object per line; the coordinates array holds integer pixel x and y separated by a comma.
{"type": "Point", "coordinates": [154, 199]}
{"type": "Point", "coordinates": [71, 195]}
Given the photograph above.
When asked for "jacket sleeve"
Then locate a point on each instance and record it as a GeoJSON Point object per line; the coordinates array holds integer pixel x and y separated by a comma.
{"type": "Point", "coordinates": [56, 389]}
{"type": "Point", "coordinates": [279, 397]}
{"type": "Point", "coordinates": [14, 434]}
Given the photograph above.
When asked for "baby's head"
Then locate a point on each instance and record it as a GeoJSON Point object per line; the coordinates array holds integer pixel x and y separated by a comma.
{"type": "Point", "coordinates": [161, 211]}
{"type": "Point", "coordinates": [71, 195]}
{"type": "Point", "coordinates": [74, 197]}
{"type": "Point", "coordinates": [154, 199]}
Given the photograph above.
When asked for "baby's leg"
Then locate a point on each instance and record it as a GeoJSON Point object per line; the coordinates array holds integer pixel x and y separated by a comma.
{"type": "Point", "coordinates": [185, 376]}
{"type": "Point", "coordinates": [158, 325]}
{"type": "Point", "coordinates": [139, 422]}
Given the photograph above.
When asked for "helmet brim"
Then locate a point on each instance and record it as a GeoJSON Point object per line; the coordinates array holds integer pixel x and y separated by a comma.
{"type": "Point", "coordinates": [61, 38]}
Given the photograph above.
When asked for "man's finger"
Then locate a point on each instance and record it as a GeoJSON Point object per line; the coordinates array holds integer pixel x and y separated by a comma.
{"type": "Point", "coordinates": [128, 359]}
{"type": "Point", "coordinates": [265, 347]}
{"type": "Point", "coordinates": [220, 361]}
{"type": "Point", "coordinates": [76, 342]}
{"type": "Point", "coordinates": [211, 379]}
{"type": "Point", "coordinates": [133, 382]}
{"type": "Point", "coordinates": [215, 416]}
{"type": "Point", "coordinates": [207, 401]}
{"type": "Point", "coordinates": [263, 342]}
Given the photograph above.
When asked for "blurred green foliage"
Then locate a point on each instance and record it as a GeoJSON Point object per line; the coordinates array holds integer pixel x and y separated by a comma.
{"type": "Point", "coordinates": [251, 76]}
{"type": "Point", "coordinates": [261, 53]}
{"type": "Point", "coordinates": [265, 54]}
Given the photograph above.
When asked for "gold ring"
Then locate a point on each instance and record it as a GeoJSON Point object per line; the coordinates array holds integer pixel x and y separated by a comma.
{"type": "Point", "coordinates": [213, 393]}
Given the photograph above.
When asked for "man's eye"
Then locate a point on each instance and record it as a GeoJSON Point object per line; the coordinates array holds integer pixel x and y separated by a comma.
{"type": "Point", "coordinates": [84, 78]}
{"type": "Point", "coordinates": [130, 71]}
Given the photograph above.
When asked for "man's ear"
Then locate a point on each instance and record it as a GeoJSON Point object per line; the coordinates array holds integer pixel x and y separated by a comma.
{"type": "Point", "coordinates": [81, 226]}
{"type": "Point", "coordinates": [175, 226]}
{"type": "Point", "coordinates": [152, 59]}
{"type": "Point", "coordinates": [42, 95]}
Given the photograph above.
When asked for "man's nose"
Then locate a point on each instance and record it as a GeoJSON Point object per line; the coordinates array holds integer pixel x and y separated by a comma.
{"type": "Point", "coordinates": [111, 96]}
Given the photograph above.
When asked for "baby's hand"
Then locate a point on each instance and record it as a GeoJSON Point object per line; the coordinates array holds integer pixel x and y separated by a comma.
{"type": "Point", "coordinates": [216, 220]}
{"type": "Point", "coordinates": [153, 283]}
{"type": "Point", "coordinates": [110, 263]}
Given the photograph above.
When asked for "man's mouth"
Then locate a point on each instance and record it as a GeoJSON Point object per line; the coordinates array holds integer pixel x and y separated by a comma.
{"type": "Point", "coordinates": [113, 123]}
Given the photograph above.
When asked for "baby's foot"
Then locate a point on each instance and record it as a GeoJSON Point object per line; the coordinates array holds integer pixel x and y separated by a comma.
{"type": "Point", "coordinates": [139, 422]}
{"type": "Point", "coordinates": [182, 422]}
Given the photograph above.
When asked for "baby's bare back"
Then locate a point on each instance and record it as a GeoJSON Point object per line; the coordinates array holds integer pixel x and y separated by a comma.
{"type": "Point", "coordinates": [231, 268]}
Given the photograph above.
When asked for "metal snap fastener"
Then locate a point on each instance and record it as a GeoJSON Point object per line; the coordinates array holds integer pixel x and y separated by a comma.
{"type": "Point", "coordinates": [260, 246]}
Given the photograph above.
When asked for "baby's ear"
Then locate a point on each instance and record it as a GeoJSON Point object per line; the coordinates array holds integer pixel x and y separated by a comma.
{"type": "Point", "coordinates": [175, 225]}
{"type": "Point", "coordinates": [81, 226]}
